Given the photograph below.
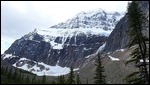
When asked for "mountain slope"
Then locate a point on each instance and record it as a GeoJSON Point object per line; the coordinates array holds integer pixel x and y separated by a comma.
{"type": "Point", "coordinates": [119, 38]}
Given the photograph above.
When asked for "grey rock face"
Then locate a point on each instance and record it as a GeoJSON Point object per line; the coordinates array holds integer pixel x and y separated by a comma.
{"type": "Point", "coordinates": [119, 38]}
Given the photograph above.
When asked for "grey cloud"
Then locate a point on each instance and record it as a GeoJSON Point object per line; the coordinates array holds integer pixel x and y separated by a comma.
{"type": "Point", "coordinates": [15, 24]}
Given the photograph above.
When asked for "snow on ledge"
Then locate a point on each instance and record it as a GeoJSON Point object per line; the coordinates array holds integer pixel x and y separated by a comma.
{"type": "Point", "coordinates": [8, 56]}
{"type": "Point", "coordinates": [113, 59]}
{"type": "Point", "coordinates": [146, 60]}
{"type": "Point", "coordinates": [101, 48]}
{"type": "Point", "coordinates": [121, 50]}
{"type": "Point", "coordinates": [87, 56]}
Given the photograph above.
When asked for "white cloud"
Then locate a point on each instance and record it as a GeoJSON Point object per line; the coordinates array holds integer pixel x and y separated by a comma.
{"type": "Point", "coordinates": [60, 11]}
{"type": "Point", "coordinates": [19, 6]}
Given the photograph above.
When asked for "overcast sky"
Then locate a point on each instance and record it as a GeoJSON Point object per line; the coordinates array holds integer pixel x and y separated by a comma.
{"type": "Point", "coordinates": [20, 18]}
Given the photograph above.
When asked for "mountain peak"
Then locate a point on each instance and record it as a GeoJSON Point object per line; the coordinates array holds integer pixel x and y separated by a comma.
{"type": "Point", "coordinates": [96, 18]}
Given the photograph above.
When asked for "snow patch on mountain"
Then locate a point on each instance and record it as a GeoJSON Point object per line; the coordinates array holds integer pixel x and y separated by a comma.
{"type": "Point", "coordinates": [50, 35]}
{"type": "Point", "coordinates": [47, 69]}
{"type": "Point", "coordinates": [71, 32]}
{"type": "Point", "coordinates": [87, 56]}
{"type": "Point", "coordinates": [121, 50]}
{"type": "Point", "coordinates": [113, 59]}
{"type": "Point", "coordinates": [145, 60]}
{"type": "Point", "coordinates": [101, 48]}
{"type": "Point", "coordinates": [8, 56]}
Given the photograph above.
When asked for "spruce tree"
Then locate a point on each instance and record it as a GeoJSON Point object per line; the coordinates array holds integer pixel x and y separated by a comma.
{"type": "Point", "coordinates": [9, 75]}
{"type": "Point", "coordinates": [33, 80]}
{"type": "Point", "coordinates": [27, 80]}
{"type": "Point", "coordinates": [22, 79]}
{"type": "Point", "coordinates": [2, 70]}
{"type": "Point", "coordinates": [61, 79]}
{"type": "Point", "coordinates": [15, 74]}
{"type": "Point", "coordinates": [53, 82]}
{"type": "Point", "coordinates": [137, 22]}
{"type": "Point", "coordinates": [71, 77]}
{"type": "Point", "coordinates": [19, 77]}
{"type": "Point", "coordinates": [99, 77]}
{"type": "Point", "coordinates": [78, 79]}
{"type": "Point", "coordinates": [6, 70]}
{"type": "Point", "coordinates": [39, 81]}
{"type": "Point", "coordinates": [44, 79]}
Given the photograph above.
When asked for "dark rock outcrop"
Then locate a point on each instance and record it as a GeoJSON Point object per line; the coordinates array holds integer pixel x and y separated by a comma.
{"type": "Point", "coordinates": [119, 38]}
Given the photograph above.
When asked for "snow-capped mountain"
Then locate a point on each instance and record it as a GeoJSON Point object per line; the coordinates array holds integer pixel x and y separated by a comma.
{"type": "Point", "coordinates": [96, 18]}
{"type": "Point", "coordinates": [85, 34]}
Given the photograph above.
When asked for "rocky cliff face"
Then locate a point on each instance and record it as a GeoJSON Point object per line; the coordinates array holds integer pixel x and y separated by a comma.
{"type": "Point", "coordinates": [119, 38]}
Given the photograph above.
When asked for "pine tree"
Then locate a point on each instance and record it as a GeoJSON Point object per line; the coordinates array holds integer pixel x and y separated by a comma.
{"type": "Point", "coordinates": [61, 79]}
{"type": "Point", "coordinates": [38, 81]}
{"type": "Point", "coordinates": [99, 77]}
{"type": "Point", "coordinates": [2, 70]}
{"type": "Point", "coordinates": [6, 70]}
{"type": "Point", "coordinates": [137, 22]}
{"type": "Point", "coordinates": [44, 79]}
{"type": "Point", "coordinates": [78, 79]}
{"type": "Point", "coordinates": [22, 79]}
{"type": "Point", "coordinates": [27, 80]}
{"type": "Point", "coordinates": [53, 82]}
{"type": "Point", "coordinates": [9, 75]}
{"type": "Point", "coordinates": [19, 77]}
{"type": "Point", "coordinates": [71, 77]}
{"type": "Point", "coordinates": [15, 74]}
{"type": "Point", "coordinates": [33, 80]}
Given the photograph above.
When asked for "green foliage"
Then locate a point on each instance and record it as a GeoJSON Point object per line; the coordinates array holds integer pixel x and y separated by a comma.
{"type": "Point", "coordinates": [137, 22]}
{"type": "Point", "coordinates": [33, 80]}
{"type": "Point", "coordinates": [15, 73]}
{"type": "Point", "coordinates": [18, 76]}
{"type": "Point", "coordinates": [61, 80]}
{"type": "Point", "coordinates": [99, 77]}
{"type": "Point", "coordinates": [71, 77]}
{"type": "Point", "coordinates": [53, 82]}
{"type": "Point", "coordinates": [78, 79]}
{"type": "Point", "coordinates": [9, 75]}
{"type": "Point", "coordinates": [27, 80]}
{"type": "Point", "coordinates": [44, 79]}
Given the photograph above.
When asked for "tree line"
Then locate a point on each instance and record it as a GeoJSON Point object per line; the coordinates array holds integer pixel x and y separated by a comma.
{"type": "Point", "coordinates": [19, 76]}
